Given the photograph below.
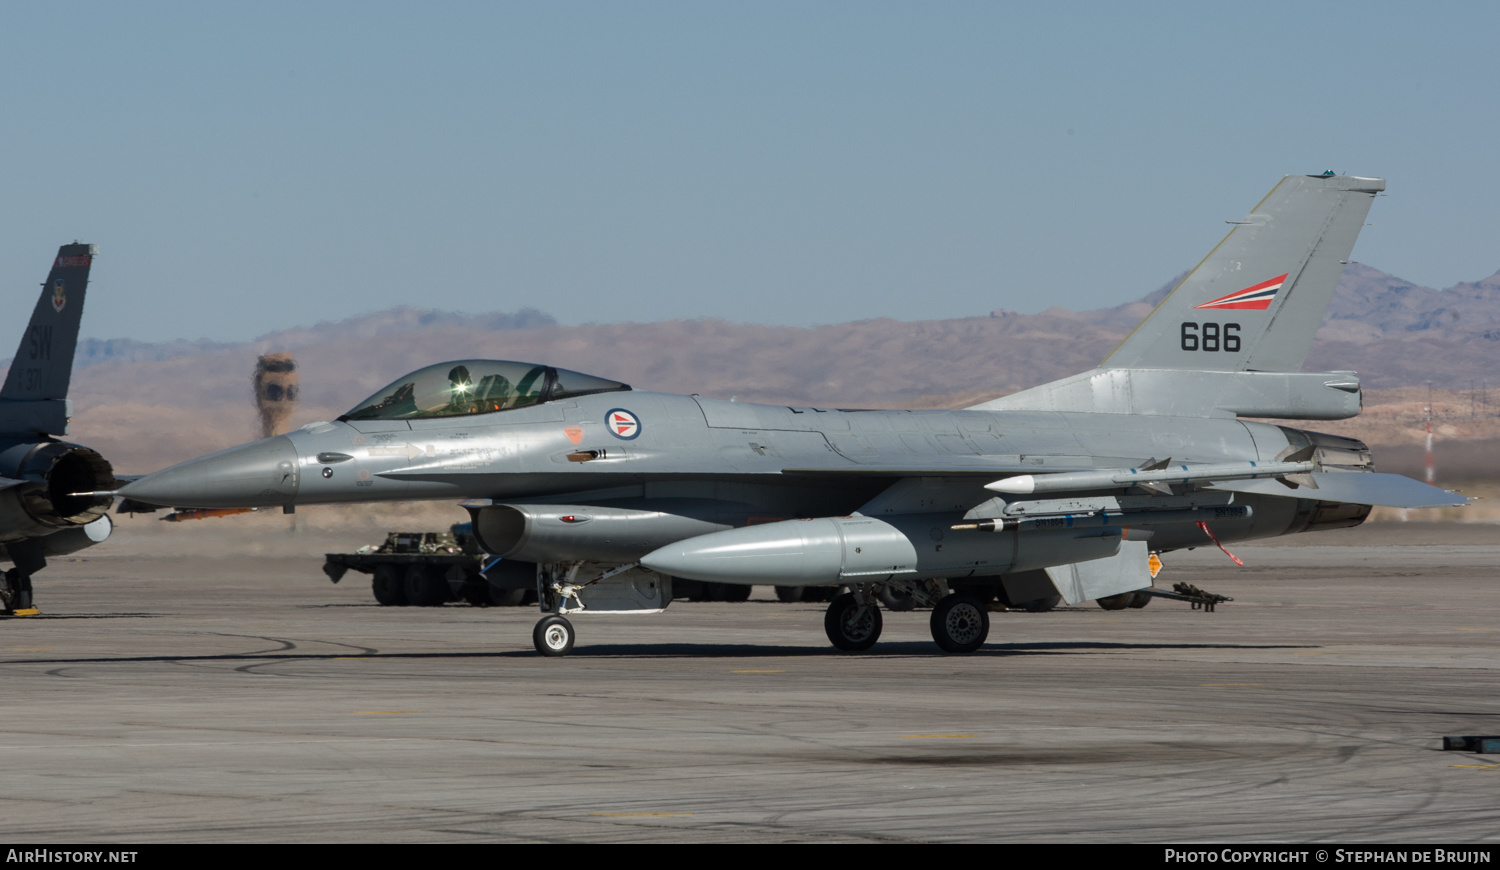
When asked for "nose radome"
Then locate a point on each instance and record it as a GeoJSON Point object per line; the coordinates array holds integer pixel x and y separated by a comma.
{"type": "Point", "coordinates": [259, 474]}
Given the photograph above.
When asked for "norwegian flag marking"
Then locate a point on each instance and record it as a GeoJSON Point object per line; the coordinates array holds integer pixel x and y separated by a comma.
{"type": "Point", "coordinates": [1255, 298]}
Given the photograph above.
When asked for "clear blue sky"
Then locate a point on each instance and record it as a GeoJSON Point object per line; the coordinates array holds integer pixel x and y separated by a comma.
{"type": "Point", "coordinates": [253, 166]}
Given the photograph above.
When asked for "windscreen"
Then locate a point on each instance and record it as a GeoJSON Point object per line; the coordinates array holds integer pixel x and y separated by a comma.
{"type": "Point", "coordinates": [474, 386]}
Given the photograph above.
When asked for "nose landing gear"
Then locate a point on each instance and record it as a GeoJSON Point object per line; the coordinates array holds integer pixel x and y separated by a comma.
{"type": "Point", "coordinates": [553, 636]}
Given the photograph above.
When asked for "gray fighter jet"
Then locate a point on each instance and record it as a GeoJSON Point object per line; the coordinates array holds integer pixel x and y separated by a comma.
{"type": "Point", "coordinates": [601, 495]}
{"type": "Point", "coordinates": [53, 495]}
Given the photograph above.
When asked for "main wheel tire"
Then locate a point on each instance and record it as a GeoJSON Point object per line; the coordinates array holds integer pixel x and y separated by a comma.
{"type": "Point", "coordinates": [850, 627]}
{"type": "Point", "coordinates": [736, 593]}
{"type": "Point", "coordinates": [1140, 599]}
{"type": "Point", "coordinates": [790, 594]}
{"type": "Point", "coordinates": [1042, 605]}
{"type": "Point", "coordinates": [896, 600]}
{"type": "Point", "coordinates": [423, 589]}
{"type": "Point", "coordinates": [553, 636]}
{"type": "Point", "coordinates": [960, 623]}
{"type": "Point", "coordinates": [388, 586]}
{"type": "Point", "coordinates": [1116, 602]}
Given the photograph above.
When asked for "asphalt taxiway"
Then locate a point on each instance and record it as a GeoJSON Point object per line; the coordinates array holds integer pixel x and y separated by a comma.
{"type": "Point", "coordinates": [225, 691]}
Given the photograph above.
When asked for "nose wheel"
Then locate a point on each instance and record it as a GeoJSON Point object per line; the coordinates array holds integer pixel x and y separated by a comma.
{"type": "Point", "coordinates": [553, 636]}
{"type": "Point", "coordinates": [960, 623]}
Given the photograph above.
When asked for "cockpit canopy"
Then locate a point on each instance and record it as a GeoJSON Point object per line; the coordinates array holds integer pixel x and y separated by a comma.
{"type": "Point", "coordinates": [475, 386]}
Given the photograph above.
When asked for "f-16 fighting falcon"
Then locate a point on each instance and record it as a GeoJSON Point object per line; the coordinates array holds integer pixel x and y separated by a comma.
{"type": "Point", "coordinates": [601, 495]}
{"type": "Point", "coordinates": [48, 505]}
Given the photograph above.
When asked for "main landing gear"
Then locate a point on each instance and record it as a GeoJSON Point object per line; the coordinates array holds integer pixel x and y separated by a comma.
{"type": "Point", "coordinates": [853, 621]}
{"type": "Point", "coordinates": [15, 592]}
{"type": "Point", "coordinates": [960, 622]}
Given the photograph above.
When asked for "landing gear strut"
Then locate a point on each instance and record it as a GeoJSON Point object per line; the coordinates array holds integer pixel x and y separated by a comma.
{"type": "Point", "coordinates": [17, 591]}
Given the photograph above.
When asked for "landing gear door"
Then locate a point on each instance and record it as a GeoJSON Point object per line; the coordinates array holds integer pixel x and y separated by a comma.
{"type": "Point", "coordinates": [570, 589]}
{"type": "Point", "coordinates": [1126, 571]}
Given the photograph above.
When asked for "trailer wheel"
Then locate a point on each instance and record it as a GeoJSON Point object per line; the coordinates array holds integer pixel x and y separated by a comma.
{"type": "Point", "coordinates": [789, 594]}
{"type": "Point", "coordinates": [553, 636]}
{"type": "Point", "coordinates": [1116, 602]}
{"type": "Point", "coordinates": [1042, 605]}
{"type": "Point", "coordinates": [1140, 599]}
{"type": "Point", "coordinates": [960, 623]}
{"type": "Point", "coordinates": [423, 589]}
{"type": "Point", "coordinates": [509, 597]}
{"type": "Point", "coordinates": [736, 593]}
{"type": "Point", "coordinates": [388, 586]}
{"type": "Point", "coordinates": [476, 593]}
{"type": "Point", "coordinates": [896, 600]}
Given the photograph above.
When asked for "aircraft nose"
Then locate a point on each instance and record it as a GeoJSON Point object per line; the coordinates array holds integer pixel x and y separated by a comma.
{"type": "Point", "coordinates": [259, 474]}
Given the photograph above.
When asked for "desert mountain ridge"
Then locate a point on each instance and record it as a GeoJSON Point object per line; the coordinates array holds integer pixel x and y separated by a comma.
{"type": "Point", "coordinates": [149, 405]}
{"type": "Point", "coordinates": [1443, 335]}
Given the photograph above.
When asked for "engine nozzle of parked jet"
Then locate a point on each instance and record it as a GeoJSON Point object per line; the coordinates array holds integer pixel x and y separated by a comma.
{"type": "Point", "coordinates": [259, 474]}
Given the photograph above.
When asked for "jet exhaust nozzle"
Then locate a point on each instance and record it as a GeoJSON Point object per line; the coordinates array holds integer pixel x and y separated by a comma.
{"type": "Point", "coordinates": [53, 485]}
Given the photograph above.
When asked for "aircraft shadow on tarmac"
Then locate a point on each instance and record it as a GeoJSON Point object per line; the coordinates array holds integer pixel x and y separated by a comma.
{"type": "Point", "coordinates": [913, 649]}
{"type": "Point", "coordinates": [907, 649]}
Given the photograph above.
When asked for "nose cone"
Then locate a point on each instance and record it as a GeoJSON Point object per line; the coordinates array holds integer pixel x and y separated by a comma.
{"type": "Point", "coordinates": [260, 474]}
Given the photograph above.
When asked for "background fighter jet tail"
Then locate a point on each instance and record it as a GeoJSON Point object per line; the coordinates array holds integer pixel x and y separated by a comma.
{"type": "Point", "coordinates": [34, 400]}
{"type": "Point", "coordinates": [53, 495]}
{"type": "Point", "coordinates": [1231, 338]}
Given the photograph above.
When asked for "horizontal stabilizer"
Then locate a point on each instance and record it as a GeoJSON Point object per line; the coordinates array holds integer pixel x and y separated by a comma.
{"type": "Point", "coordinates": [1389, 490]}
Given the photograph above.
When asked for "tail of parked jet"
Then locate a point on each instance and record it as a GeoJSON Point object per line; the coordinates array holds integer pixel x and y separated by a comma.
{"type": "Point", "coordinates": [1230, 339]}
{"type": "Point", "coordinates": [34, 400]}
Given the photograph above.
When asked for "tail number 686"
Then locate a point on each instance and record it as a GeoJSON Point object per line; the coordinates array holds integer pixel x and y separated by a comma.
{"type": "Point", "coordinates": [1211, 337]}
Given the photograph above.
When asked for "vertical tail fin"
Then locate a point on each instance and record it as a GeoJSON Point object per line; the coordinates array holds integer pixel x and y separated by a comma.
{"type": "Point", "coordinates": [34, 397]}
{"type": "Point", "coordinates": [1231, 338]}
{"type": "Point", "coordinates": [1255, 301]}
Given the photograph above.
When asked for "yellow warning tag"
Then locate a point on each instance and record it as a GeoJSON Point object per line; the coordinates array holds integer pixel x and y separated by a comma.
{"type": "Point", "coordinates": [1155, 563]}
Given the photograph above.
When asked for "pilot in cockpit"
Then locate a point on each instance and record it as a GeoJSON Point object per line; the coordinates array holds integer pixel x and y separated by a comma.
{"type": "Point", "coordinates": [460, 391]}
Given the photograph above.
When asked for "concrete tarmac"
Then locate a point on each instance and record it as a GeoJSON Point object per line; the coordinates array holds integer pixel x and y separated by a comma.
{"type": "Point", "coordinates": [225, 693]}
